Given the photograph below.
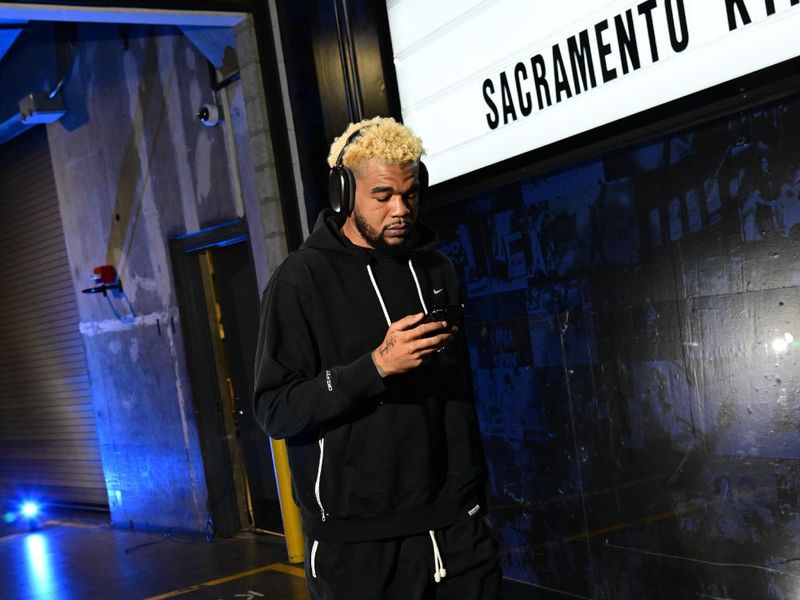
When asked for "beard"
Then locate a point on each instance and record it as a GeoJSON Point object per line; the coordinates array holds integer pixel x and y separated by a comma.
{"type": "Point", "coordinates": [377, 240]}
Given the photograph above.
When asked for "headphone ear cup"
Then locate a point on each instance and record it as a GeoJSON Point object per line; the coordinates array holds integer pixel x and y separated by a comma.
{"type": "Point", "coordinates": [348, 191]}
{"type": "Point", "coordinates": [337, 183]}
{"type": "Point", "coordinates": [422, 178]}
{"type": "Point", "coordinates": [342, 190]}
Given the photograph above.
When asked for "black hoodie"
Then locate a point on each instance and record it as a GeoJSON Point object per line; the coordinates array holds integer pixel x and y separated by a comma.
{"type": "Point", "coordinates": [370, 458]}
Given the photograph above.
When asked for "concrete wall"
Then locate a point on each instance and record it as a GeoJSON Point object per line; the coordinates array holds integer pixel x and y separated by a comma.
{"type": "Point", "coordinates": [251, 123]}
{"type": "Point", "coordinates": [134, 169]}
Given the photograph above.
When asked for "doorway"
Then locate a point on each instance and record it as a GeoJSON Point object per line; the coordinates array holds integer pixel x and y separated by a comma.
{"type": "Point", "coordinates": [219, 303]}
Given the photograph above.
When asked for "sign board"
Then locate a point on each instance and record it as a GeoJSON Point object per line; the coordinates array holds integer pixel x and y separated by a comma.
{"type": "Point", "coordinates": [485, 80]}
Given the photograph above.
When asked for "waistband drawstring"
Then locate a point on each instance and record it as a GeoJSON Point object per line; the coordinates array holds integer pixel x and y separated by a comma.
{"type": "Point", "coordinates": [314, 548]}
{"type": "Point", "coordinates": [380, 298]}
{"type": "Point", "coordinates": [439, 571]}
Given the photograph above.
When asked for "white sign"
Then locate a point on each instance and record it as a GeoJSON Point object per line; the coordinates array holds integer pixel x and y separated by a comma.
{"type": "Point", "coordinates": [483, 81]}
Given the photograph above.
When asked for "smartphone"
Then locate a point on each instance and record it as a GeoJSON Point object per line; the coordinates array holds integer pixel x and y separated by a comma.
{"type": "Point", "coordinates": [453, 314]}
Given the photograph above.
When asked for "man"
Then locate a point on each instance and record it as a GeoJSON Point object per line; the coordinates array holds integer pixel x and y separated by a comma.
{"type": "Point", "coordinates": [386, 459]}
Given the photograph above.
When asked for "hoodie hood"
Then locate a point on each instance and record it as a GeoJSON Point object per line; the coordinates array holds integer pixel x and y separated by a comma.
{"type": "Point", "coordinates": [327, 236]}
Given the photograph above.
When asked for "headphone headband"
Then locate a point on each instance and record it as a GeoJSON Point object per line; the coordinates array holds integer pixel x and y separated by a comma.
{"type": "Point", "coordinates": [347, 142]}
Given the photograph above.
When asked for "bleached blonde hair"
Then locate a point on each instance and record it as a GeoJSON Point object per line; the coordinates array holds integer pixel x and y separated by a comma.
{"type": "Point", "coordinates": [382, 139]}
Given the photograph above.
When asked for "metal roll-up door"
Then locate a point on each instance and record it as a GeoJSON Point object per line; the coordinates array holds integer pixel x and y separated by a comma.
{"type": "Point", "coordinates": [48, 438]}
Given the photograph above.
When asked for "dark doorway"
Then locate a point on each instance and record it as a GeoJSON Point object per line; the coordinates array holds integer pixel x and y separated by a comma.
{"type": "Point", "coordinates": [219, 304]}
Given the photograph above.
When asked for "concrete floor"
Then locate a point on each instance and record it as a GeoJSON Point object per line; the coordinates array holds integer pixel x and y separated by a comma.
{"type": "Point", "coordinates": [77, 556]}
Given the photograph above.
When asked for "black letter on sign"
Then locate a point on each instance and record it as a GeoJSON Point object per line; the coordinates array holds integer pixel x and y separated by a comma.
{"type": "Point", "coordinates": [581, 57]}
{"type": "Point", "coordinates": [732, 17]}
{"type": "Point", "coordinates": [604, 50]}
{"type": "Point", "coordinates": [562, 83]}
{"type": "Point", "coordinates": [646, 9]}
{"type": "Point", "coordinates": [627, 42]}
{"type": "Point", "coordinates": [492, 118]}
{"type": "Point", "coordinates": [508, 102]}
{"type": "Point", "coordinates": [539, 80]}
{"type": "Point", "coordinates": [525, 104]}
{"type": "Point", "coordinates": [678, 46]}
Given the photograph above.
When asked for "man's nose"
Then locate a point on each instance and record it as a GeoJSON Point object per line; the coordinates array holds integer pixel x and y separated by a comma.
{"type": "Point", "coordinates": [399, 205]}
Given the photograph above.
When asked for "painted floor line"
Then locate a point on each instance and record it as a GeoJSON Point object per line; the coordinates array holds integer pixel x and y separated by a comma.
{"type": "Point", "coordinates": [279, 567]}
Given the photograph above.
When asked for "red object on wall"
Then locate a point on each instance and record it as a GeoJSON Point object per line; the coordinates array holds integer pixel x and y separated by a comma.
{"type": "Point", "coordinates": [105, 274]}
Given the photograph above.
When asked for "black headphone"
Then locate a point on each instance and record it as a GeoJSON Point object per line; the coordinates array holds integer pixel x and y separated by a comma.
{"type": "Point", "coordinates": [342, 182]}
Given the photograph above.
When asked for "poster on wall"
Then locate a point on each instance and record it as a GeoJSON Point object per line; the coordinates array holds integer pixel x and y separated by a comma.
{"type": "Point", "coordinates": [482, 81]}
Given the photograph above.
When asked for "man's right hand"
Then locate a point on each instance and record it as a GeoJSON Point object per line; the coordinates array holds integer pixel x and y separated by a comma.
{"type": "Point", "coordinates": [407, 343]}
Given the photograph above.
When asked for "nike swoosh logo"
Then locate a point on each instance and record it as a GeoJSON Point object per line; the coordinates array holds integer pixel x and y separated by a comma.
{"type": "Point", "coordinates": [439, 291]}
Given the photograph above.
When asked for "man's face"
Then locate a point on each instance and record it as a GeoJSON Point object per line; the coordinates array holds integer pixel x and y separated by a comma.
{"type": "Point", "coordinates": [386, 205]}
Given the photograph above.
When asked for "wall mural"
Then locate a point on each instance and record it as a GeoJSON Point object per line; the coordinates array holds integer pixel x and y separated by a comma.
{"type": "Point", "coordinates": [633, 325]}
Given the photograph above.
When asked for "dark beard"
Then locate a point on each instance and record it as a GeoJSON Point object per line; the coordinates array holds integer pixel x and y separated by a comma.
{"type": "Point", "coordinates": [377, 240]}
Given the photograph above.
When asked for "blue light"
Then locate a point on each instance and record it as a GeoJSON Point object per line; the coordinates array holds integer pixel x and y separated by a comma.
{"type": "Point", "coordinates": [38, 565]}
{"type": "Point", "coordinates": [30, 510]}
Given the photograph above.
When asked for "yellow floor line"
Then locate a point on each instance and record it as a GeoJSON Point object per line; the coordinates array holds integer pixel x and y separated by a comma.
{"type": "Point", "coordinates": [289, 570]}
{"type": "Point", "coordinates": [279, 567]}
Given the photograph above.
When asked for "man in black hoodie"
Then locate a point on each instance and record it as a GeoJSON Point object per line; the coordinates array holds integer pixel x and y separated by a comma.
{"type": "Point", "coordinates": [380, 426]}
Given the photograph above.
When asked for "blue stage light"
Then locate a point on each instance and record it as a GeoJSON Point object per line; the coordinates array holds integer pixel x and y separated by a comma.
{"type": "Point", "coordinates": [30, 510]}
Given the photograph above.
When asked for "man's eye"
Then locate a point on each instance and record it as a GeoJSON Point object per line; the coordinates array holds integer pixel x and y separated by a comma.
{"type": "Point", "coordinates": [382, 198]}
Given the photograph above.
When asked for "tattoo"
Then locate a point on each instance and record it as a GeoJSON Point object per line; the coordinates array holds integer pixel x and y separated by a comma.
{"type": "Point", "coordinates": [383, 350]}
{"type": "Point", "coordinates": [389, 344]}
{"type": "Point", "coordinates": [380, 370]}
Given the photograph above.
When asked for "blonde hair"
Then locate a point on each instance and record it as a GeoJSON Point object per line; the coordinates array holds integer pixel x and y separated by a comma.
{"type": "Point", "coordinates": [381, 138]}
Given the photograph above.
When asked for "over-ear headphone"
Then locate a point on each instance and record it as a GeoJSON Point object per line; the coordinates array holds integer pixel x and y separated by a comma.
{"type": "Point", "coordinates": [342, 182]}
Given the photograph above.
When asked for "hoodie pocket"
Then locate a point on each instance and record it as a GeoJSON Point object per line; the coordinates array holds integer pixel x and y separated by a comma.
{"type": "Point", "coordinates": [397, 454]}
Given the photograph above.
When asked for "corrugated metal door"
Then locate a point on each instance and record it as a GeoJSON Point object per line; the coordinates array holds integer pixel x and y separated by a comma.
{"type": "Point", "coordinates": [48, 438]}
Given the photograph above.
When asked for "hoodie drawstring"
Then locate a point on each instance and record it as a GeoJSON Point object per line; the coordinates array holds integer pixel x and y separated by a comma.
{"type": "Point", "coordinates": [419, 289]}
{"type": "Point", "coordinates": [380, 298]}
{"type": "Point", "coordinates": [439, 571]}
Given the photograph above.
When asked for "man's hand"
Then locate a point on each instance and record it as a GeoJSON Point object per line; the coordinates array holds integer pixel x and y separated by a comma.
{"type": "Point", "coordinates": [407, 343]}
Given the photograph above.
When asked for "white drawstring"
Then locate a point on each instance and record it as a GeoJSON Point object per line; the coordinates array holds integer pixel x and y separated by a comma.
{"type": "Point", "coordinates": [314, 547]}
{"type": "Point", "coordinates": [380, 298]}
{"type": "Point", "coordinates": [439, 571]}
{"type": "Point", "coordinates": [319, 475]}
{"type": "Point", "coordinates": [419, 290]}
{"type": "Point", "coordinates": [378, 294]}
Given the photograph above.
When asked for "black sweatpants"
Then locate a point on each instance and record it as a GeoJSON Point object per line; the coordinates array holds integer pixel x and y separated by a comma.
{"type": "Point", "coordinates": [403, 568]}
